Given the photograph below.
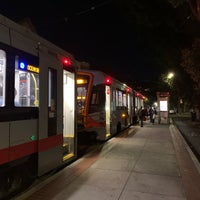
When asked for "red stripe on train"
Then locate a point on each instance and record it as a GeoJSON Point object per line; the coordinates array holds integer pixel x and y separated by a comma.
{"type": "Point", "coordinates": [22, 150]}
{"type": "Point", "coordinates": [4, 155]}
{"type": "Point", "coordinates": [50, 142]}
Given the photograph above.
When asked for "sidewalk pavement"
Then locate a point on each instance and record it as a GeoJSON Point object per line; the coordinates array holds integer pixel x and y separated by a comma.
{"type": "Point", "coordinates": [145, 163]}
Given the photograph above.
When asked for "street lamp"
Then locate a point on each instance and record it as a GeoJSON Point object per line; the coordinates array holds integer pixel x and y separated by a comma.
{"type": "Point", "coordinates": [170, 75]}
{"type": "Point", "coordinates": [169, 80]}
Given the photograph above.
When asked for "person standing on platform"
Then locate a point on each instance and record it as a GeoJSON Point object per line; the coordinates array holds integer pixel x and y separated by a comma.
{"type": "Point", "coordinates": [154, 115]}
{"type": "Point", "coordinates": [151, 115]}
{"type": "Point", "coordinates": [141, 115]}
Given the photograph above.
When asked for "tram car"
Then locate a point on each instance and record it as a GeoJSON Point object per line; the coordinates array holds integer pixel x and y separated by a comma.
{"type": "Point", "coordinates": [105, 106]}
{"type": "Point", "coordinates": [37, 107]}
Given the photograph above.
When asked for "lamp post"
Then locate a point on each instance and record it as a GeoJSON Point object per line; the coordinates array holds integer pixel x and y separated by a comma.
{"type": "Point", "coordinates": [175, 103]}
{"type": "Point", "coordinates": [170, 77]}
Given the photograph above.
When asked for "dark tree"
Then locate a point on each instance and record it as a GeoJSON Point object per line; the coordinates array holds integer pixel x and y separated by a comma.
{"type": "Point", "coordinates": [191, 63]}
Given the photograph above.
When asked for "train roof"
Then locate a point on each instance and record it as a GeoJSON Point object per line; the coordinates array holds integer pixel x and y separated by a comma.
{"type": "Point", "coordinates": [100, 77]}
{"type": "Point", "coordinates": [23, 38]}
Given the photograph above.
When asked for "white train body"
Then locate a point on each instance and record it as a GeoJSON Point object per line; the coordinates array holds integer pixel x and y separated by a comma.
{"type": "Point", "coordinates": [38, 133]}
{"type": "Point", "coordinates": [105, 105]}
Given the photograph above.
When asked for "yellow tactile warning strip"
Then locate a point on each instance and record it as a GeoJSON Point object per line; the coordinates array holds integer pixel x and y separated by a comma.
{"type": "Point", "coordinates": [189, 172]}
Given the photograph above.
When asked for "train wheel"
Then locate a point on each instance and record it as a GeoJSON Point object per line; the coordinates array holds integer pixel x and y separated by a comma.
{"type": "Point", "coordinates": [4, 187]}
{"type": "Point", "coordinates": [15, 181]}
{"type": "Point", "coordinates": [21, 179]}
{"type": "Point", "coordinates": [8, 185]}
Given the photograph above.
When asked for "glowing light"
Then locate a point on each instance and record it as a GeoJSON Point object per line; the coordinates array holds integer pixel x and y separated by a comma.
{"type": "Point", "coordinates": [123, 115]}
{"type": "Point", "coordinates": [170, 75]}
{"type": "Point", "coordinates": [33, 137]}
{"type": "Point", "coordinates": [22, 65]}
{"type": "Point", "coordinates": [137, 94]}
{"type": "Point", "coordinates": [108, 91]}
{"type": "Point", "coordinates": [80, 97]}
{"type": "Point", "coordinates": [108, 81]}
{"type": "Point", "coordinates": [128, 90]}
{"type": "Point", "coordinates": [67, 61]}
{"type": "Point", "coordinates": [33, 69]}
{"type": "Point", "coordinates": [81, 81]}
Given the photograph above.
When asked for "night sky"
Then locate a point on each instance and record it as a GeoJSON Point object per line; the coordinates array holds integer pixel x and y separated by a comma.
{"type": "Point", "coordinates": [97, 32]}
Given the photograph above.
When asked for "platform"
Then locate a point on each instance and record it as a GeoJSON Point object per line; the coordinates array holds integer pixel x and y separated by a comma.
{"type": "Point", "coordinates": [152, 162]}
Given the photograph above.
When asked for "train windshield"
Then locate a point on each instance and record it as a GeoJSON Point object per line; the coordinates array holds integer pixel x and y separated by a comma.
{"type": "Point", "coordinates": [83, 82]}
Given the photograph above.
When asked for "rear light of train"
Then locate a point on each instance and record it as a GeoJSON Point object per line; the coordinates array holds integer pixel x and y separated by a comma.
{"type": "Point", "coordinates": [128, 90]}
{"type": "Point", "coordinates": [67, 61]}
{"type": "Point", "coordinates": [108, 81]}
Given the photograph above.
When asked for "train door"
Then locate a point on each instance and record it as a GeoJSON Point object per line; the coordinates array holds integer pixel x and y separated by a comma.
{"type": "Point", "coordinates": [108, 110]}
{"type": "Point", "coordinates": [129, 108]}
{"type": "Point", "coordinates": [57, 116]}
{"type": "Point", "coordinates": [68, 114]}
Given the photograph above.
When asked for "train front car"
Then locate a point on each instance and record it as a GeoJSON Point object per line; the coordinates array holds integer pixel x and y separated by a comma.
{"type": "Point", "coordinates": [37, 107]}
{"type": "Point", "coordinates": [107, 106]}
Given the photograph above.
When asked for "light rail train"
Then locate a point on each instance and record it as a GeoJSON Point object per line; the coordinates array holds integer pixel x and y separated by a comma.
{"type": "Point", "coordinates": [45, 101]}
{"type": "Point", "coordinates": [37, 107]}
{"type": "Point", "coordinates": [105, 106]}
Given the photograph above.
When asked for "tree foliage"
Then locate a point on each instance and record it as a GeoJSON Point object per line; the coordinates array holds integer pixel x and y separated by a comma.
{"type": "Point", "coordinates": [194, 6]}
{"type": "Point", "coordinates": [191, 62]}
{"type": "Point", "coordinates": [191, 55]}
{"type": "Point", "coordinates": [170, 26]}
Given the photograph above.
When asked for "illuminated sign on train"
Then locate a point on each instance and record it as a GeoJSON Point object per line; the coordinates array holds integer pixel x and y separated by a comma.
{"type": "Point", "coordinates": [31, 68]}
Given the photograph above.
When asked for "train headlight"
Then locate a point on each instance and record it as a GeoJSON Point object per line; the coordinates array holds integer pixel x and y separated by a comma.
{"type": "Point", "coordinates": [123, 115]}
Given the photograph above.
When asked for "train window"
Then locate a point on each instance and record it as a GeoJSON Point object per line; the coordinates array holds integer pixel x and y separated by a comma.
{"type": "Point", "coordinates": [95, 98]}
{"type": "Point", "coordinates": [119, 99]}
{"type": "Point", "coordinates": [2, 77]}
{"type": "Point", "coordinates": [113, 99]}
{"type": "Point", "coordinates": [52, 89]}
{"type": "Point", "coordinates": [26, 85]}
{"type": "Point", "coordinates": [97, 101]}
{"type": "Point", "coordinates": [81, 98]}
{"type": "Point", "coordinates": [124, 103]}
{"type": "Point", "coordinates": [52, 102]}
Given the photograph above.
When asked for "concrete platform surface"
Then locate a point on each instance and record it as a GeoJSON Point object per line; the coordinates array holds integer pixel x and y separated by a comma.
{"type": "Point", "coordinates": [152, 162]}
